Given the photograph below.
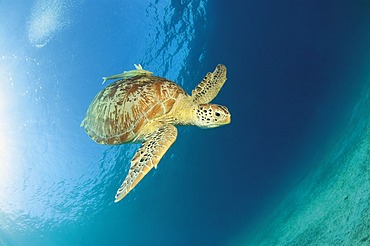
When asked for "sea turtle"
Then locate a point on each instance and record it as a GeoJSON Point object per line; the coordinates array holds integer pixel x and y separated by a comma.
{"type": "Point", "coordinates": [144, 108]}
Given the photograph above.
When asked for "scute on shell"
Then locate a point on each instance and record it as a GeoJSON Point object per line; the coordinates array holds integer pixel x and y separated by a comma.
{"type": "Point", "coordinates": [120, 110]}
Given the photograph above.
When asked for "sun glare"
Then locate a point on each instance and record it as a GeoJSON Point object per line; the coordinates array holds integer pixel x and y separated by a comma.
{"type": "Point", "coordinates": [8, 140]}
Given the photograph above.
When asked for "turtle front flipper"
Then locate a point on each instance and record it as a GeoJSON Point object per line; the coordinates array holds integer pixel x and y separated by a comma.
{"type": "Point", "coordinates": [127, 74]}
{"type": "Point", "coordinates": [147, 156]}
{"type": "Point", "coordinates": [211, 84]}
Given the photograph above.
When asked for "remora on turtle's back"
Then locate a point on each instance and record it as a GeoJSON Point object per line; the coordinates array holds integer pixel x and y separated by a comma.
{"type": "Point", "coordinates": [145, 108]}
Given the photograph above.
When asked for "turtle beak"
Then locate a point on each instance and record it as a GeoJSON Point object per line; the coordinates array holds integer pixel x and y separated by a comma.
{"type": "Point", "coordinates": [228, 120]}
{"type": "Point", "coordinates": [227, 115]}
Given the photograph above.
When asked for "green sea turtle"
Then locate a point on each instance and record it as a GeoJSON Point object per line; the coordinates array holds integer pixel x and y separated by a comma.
{"type": "Point", "coordinates": [144, 108]}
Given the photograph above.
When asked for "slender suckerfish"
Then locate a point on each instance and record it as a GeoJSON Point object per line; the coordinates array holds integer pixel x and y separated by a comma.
{"type": "Point", "coordinates": [127, 74]}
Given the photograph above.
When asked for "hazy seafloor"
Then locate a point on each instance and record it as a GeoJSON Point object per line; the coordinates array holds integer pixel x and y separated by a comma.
{"type": "Point", "coordinates": [331, 204]}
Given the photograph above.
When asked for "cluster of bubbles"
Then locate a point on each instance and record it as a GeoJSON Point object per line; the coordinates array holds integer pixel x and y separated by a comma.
{"type": "Point", "coordinates": [48, 18]}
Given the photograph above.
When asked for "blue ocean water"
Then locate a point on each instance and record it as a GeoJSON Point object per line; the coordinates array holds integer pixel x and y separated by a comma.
{"type": "Point", "coordinates": [295, 73]}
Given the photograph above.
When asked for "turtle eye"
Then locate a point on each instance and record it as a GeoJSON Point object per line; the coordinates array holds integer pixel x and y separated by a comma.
{"type": "Point", "coordinates": [217, 114]}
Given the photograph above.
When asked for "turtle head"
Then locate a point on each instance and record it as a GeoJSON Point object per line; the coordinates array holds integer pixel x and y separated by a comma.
{"type": "Point", "coordinates": [212, 115]}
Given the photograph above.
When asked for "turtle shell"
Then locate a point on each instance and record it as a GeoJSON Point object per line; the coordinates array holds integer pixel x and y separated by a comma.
{"type": "Point", "coordinates": [120, 110]}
